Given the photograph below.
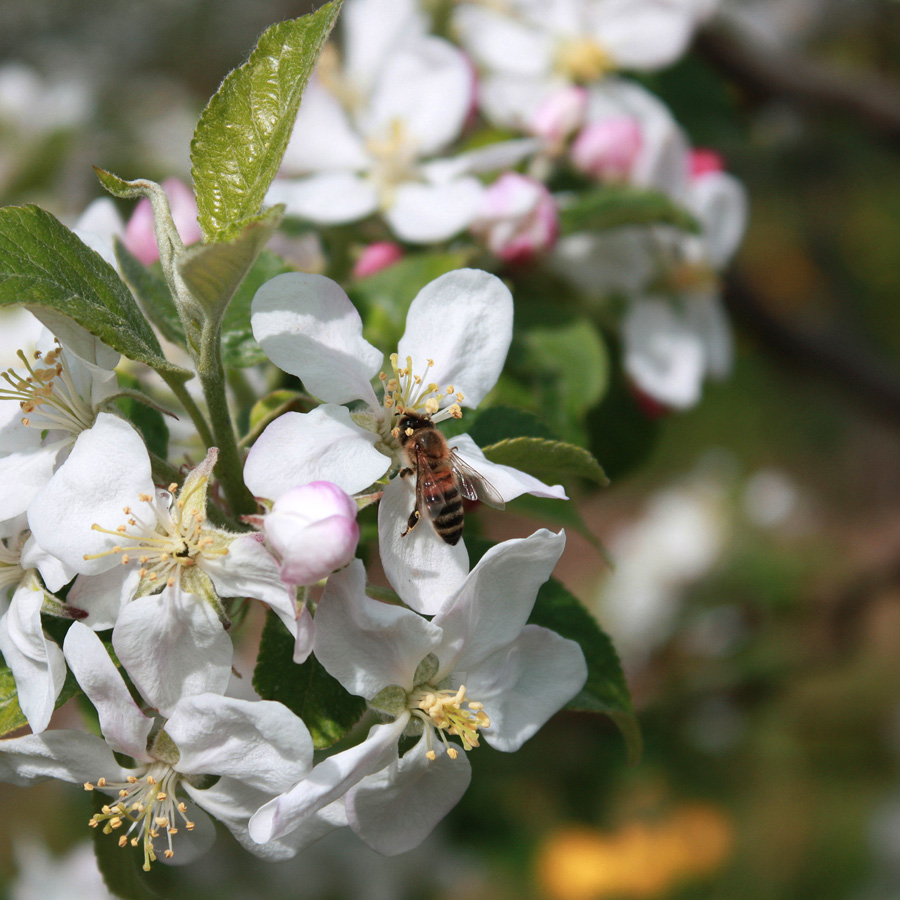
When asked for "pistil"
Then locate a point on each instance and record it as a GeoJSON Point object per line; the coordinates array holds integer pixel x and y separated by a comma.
{"type": "Point", "coordinates": [443, 711]}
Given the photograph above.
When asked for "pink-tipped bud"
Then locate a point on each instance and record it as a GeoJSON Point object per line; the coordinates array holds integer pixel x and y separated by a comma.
{"type": "Point", "coordinates": [703, 161]}
{"type": "Point", "coordinates": [376, 257]}
{"type": "Point", "coordinates": [607, 150]}
{"type": "Point", "coordinates": [518, 219]}
{"type": "Point", "coordinates": [313, 530]}
{"type": "Point", "coordinates": [140, 232]}
{"type": "Point", "coordinates": [559, 114]}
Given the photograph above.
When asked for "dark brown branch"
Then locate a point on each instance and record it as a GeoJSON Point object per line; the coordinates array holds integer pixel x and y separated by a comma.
{"type": "Point", "coordinates": [839, 358]}
{"type": "Point", "coordinates": [765, 74]}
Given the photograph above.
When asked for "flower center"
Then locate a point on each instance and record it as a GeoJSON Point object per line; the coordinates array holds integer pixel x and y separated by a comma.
{"type": "Point", "coordinates": [449, 713]}
{"type": "Point", "coordinates": [10, 571]}
{"type": "Point", "coordinates": [395, 157]}
{"type": "Point", "coordinates": [165, 540]}
{"type": "Point", "coordinates": [47, 394]}
{"type": "Point", "coordinates": [409, 392]}
{"type": "Point", "coordinates": [583, 60]}
{"type": "Point", "coordinates": [684, 277]}
{"type": "Point", "coordinates": [147, 804]}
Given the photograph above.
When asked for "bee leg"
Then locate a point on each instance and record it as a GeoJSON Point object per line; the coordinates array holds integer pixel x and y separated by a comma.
{"type": "Point", "coordinates": [405, 473]}
{"type": "Point", "coordinates": [411, 523]}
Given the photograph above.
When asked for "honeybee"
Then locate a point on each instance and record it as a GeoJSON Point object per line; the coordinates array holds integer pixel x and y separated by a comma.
{"type": "Point", "coordinates": [442, 478]}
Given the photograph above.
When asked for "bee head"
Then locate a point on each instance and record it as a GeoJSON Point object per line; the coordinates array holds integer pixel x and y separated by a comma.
{"type": "Point", "coordinates": [411, 422]}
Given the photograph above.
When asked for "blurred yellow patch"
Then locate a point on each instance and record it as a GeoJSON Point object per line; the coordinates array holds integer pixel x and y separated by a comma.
{"type": "Point", "coordinates": [640, 859]}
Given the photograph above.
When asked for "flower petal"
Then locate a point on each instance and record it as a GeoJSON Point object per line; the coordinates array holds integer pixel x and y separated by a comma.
{"type": "Point", "coordinates": [368, 645]}
{"type": "Point", "coordinates": [103, 596]}
{"type": "Point", "coordinates": [720, 202]}
{"type": "Point", "coordinates": [491, 609]}
{"type": "Point", "coordinates": [427, 213]}
{"type": "Point", "coordinates": [173, 647]}
{"type": "Point", "coordinates": [66, 755]}
{"type": "Point", "coordinates": [260, 743]}
{"type": "Point", "coordinates": [53, 572]}
{"type": "Point", "coordinates": [327, 782]}
{"type": "Point", "coordinates": [107, 469]}
{"type": "Point", "coordinates": [395, 809]}
{"type": "Point", "coordinates": [322, 445]}
{"type": "Point", "coordinates": [124, 726]}
{"type": "Point", "coordinates": [643, 34]}
{"type": "Point", "coordinates": [525, 683]}
{"type": "Point", "coordinates": [463, 320]}
{"type": "Point", "coordinates": [26, 471]}
{"type": "Point", "coordinates": [422, 568]}
{"type": "Point", "coordinates": [308, 326]}
{"type": "Point", "coordinates": [37, 663]}
{"type": "Point", "coordinates": [508, 482]}
{"type": "Point", "coordinates": [503, 44]}
{"type": "Point", "coordinates": [333, 198]}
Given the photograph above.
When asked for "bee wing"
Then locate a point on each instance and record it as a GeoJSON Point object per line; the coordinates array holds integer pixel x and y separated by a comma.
{"type": "Point", "coordinates": [474, 486]}
{"type": "Point", "coordinates": [430, 500]}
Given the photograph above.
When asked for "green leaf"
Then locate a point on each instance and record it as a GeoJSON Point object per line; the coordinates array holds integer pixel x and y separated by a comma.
{"type": "Point", "coordinates": [152, 293]}
{"type": "Point", "coordinates": [213, 272]}
{"type": "Point", "coordinates": [496, 423]}
{"type": "Point", "coordinates": [307, 690]}
{"type": "Point", "coordinates": [11, 716]}
{"type": "Point", "coordinates": [614, 207]}
{"type": "Point", "coordinates": [120, 866]}
{"type": "Point", "coordinates": [239, 347]}
{"type": "Point", "coordinates": [548, 511]}
{"type": "Point", "coordinates": [43, 264]}
{"type": "Point", "coordinates": [543, 458]}
{"type": "Point", "coordinates": [605, 690]}
{"type": "Point", "coordinates": [244, 130]}
{"type": "Point", "coordinates": [572, 365]}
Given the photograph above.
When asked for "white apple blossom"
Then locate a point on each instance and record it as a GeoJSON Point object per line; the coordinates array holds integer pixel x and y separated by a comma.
{"type": "Point", "coordinates": [258, 748]}
{"type": "Point", "coordinates": [371, 129]}
{"type": "Point", "coordinates": [476, 670]}
{"type": "Point", "coordinates": [102, 515]}
{"type": "Point", "coordinates": [458, 331]}
{"type": "Point", "coordinates": [530, 49]}
{"type": "Point", "coordinates": [45, 404]}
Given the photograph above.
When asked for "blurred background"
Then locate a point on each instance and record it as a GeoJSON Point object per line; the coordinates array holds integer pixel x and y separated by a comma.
{"type": "Point", "coordinates": [755, 597]}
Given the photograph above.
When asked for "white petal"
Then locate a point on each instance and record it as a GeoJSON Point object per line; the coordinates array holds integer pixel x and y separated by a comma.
{"type": "Point", "coordinates": [65, 755]}
{"type": "Point", "coordinates": [37, 663]}
{"type": "Point", "coordinates": [173, 648]}
{"type": "Point", "coordinates": [53, 572]}
{"type": "Point", "coordinates": [78, 340]}
{"type": "Point", "coordinates": [720, 202]}
{"type": "Point", "coordinates": [107, 469]}
{"type": "Point", "coordinates": [501, 155]}
{"type": "Point", "coordinates": [522, 685]}
{"type": "Point", "coordinates": [260, 743]}
{"type": "Point", "coordinates": [327, 782]}
{"type": "Point", "coordinates": [428, 213]}
{"type": "Point", "coordinates": [373, 29]}
{"type": "Point", "coordinates": [513, 101]}
{"type": "Point", "coordinates": [622, 259]}
{"type": "Point", "coordinates": [24, 473]}
{"type": "Point", "coordinates": [708, 319]}
{"type": "Point", "coordinates": [501, 43]}
{"type": "Point", "coordinates": [643, 34]}
{"type": "Point", "coordinates": [395, 809]}
{"type": "Point", "coordinates": [494, 604]}
{"type": "Point", "coordinates": [323, 445]}
{"type": "Point", "coordinates": [663, 354]}
{"type": "Point", "coordinates": [368, 645]}
{"type": "Point", "coordinates": [323, 139]}
{"type": "Point", "coordinates": [249, 570]}
{"type": "Point", "coordinates": [308, 326]}
{"type": "Point", "coordinates": [333, 198]}
{"type": "Point", "coordinates": [124, 726]}
{"type": "Point", "coordinates": [463, 320]}
{"type": "Point", "coordinates": [422, 568]}
{"type": "Point", "coordinates": [508, 482]}
{"type": "Point", "coordinates": [428, 87]}
{"type": "Point", "coordinates": [103, 596]}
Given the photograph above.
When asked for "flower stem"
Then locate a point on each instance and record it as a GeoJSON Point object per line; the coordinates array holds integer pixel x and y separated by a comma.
{"type": "Point", "coordinates": [177, 387]}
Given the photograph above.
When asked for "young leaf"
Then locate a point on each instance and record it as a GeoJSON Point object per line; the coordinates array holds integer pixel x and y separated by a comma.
{"type": "Point", "coordinates": [244, 130]}
{"type": "Point", "coordinates": [43, 264]}
{"type": "Point", "coordinates": [544, 458]}
{"type": "Point", "coordinates": [605, 690]}
{"type": "Point", "coordinates": [308, 690]}
{"type": "Point", "coordinates": [213, 272]}
{"type": "Point", "coordinates": [614, 207]}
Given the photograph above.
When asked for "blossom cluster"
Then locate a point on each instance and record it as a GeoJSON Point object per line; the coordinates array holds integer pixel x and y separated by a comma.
{"type": "Point", "coordinates": [129, 563]}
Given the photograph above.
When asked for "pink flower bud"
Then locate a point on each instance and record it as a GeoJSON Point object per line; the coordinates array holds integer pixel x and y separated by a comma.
{"type": "Point", "coordinates": [702, 161]}
{"type": "Point", "coordinates": [140, 232]}
{"type": "Point", "coordinates": [313, 530]}
{"type": "Point", "coordinates": [376, 257]}
{"type": "Point", "coordinates": [518, 218]}
{"type": "Point", "coordinates": [559, 114]}
{"type": "Point", "coordinates": [607, 150]}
